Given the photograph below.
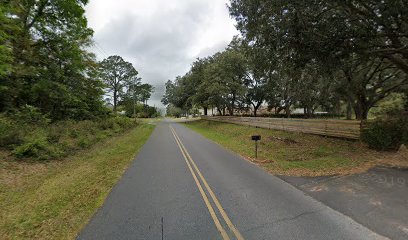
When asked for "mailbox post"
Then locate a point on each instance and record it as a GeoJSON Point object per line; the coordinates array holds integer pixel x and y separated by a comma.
{"type": "Point", "coordinates": [256, 138]}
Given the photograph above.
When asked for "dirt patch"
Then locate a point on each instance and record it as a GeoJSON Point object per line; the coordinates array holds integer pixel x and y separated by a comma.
{"type": "Point", "coordinates": [398, 159]}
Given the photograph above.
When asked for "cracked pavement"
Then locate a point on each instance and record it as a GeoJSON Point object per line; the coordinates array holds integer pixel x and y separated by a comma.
{"type": "Point", "coordinates": [159, 198]}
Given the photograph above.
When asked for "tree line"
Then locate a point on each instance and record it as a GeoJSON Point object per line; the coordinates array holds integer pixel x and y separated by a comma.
{"type": "Point", "coordinates": [320, 54]}
{"type": "Point", "coordinates": [45, 63]}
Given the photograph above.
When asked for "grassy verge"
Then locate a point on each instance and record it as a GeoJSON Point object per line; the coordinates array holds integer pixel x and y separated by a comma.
{"type": "Point", "coordinates": [55, 199]}
{"type": "Point", "coordinates": [290, 153]}
{"type": "Point", "coordinates": [150, 120]}
{"type": "Point", "coordinates": [37, 139]}
{"type": "Point", "coordinates": [183, 120]}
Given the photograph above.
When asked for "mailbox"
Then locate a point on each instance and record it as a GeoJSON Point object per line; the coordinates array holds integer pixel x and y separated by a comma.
{"type": "Point", "coordinates": [256, 137]}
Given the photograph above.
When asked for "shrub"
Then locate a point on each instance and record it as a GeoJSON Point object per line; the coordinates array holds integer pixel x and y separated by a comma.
{"type": "Point", "coordinates": [391, 105]}
{"type": "Point", "coordinates": [117, 123]}
{"type": "Point", "coordinates": [17, 125]}
{"type": "Point", "coordinates": [30, 114]}
{"type": "Point", "coordinates": [125, 123]}
{"type": "Point", "coordinates": [84, 143]}
{"type": "Point", "coordinates": [37, 148]}
{"type": "Point", "coordinates": [59, 131]}
{"type": "Point", "coordinates": [10, 133]}
{"type": "Point", "coordinates": [386, 133]}
{"type": "Point", "coordinates": [28, 139]}
{"type": "Point", "coordinates": [106, 124]}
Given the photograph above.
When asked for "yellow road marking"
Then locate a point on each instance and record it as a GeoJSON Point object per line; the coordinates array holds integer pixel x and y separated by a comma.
{"type": "Point", "coordinates": [200, 188]}
{"type": "Point", "coordinates": [217, 203]}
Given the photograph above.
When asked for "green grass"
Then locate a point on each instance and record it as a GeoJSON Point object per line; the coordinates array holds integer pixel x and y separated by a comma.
{"type": "Point", "coordinates": [150, 120]}
{"type": "Point", "coordinates": [55, 199]}
{"type": "Point", "coordinates": [290, 153]}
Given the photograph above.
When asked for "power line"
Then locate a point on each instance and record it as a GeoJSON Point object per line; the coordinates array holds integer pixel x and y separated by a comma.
{"type": "Point", "coordinates": [99, 48]}
{"type": "Point", "coordinates": [95, 49]}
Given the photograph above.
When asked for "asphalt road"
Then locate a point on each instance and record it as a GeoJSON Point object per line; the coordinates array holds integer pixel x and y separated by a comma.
{"type": "Point", "coordinates": [376, 198]}
{"type": "Point", "coordinates": [183, 186]}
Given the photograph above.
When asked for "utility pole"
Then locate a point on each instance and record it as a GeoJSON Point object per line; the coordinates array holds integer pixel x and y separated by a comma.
{"type": "Point", "coordinates": [134, 98]}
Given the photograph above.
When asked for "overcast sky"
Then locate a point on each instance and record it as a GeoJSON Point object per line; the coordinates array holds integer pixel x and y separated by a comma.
{"type": "Point", "coordinates": [160, 37]}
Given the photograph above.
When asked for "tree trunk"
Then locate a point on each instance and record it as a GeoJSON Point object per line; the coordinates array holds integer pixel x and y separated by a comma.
{"type": "Point", "coordinates": [338, 108]}
{"type": "Point", "coordinates": [230, 111]}
{"type": "Point", "coordinates": [232, 104]}
{"type": "Point", "coordinates": [406, 103]}
{"type": "Point", "coordinates": [115, 100]}
{"type": "Point", "coordinates": [219, 111]}
{"type": "Point", "coordinates": [256, 107]}
{"type": "Point", "coordinates": [362, 108]}
{"type": "Point", "coordinates": [357, 111]}
{"type": "Point", "coordinates": [349, 110]}
{"type": "Point", "coordinates": [307, 112]}
{"type": "Point", "coordinates": [205, 111]}
{"type": "Point", "coordinates": [279, 110]}
{"type": "Point", "coordinates": [287, 111]}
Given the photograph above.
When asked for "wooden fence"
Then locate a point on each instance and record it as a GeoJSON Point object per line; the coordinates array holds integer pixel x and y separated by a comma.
{"type": "Point", "coordinates": [327, 127]}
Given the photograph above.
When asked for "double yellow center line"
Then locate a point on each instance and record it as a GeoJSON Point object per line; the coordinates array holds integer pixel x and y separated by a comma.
{"type": "Point", "coordinates": [191, 164]}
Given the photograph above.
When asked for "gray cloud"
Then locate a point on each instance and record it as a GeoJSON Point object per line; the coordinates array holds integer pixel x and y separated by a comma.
{"type": "Point", "coordinates": [161, 38]}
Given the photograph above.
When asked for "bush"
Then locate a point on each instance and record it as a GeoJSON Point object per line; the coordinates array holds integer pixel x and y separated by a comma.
{"type": "Point", "coordinates": [37, 149]}
{"type": "Point", "coordinates": [10, 133]}
{"type": "Point", "coordinates": [386, 133]}
{"type": "Point", "coordinates": [30, 115]}
{"type": "Point", "coordinates": [121, 123]}
{"type": "Point", "coordinates": [84, 142]}
{"type": "Point", "coordinates": [16, 126]}
{"type": "Point", "coordinates": [36, 139]}
{"type": "Point", "coordinates": [391, 105]}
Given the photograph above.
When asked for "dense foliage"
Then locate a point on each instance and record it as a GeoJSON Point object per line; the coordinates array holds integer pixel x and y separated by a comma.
{"type": "Point", "coordinates": [52, 88]}
{"type": "Point", "coordinates": [362, 45]}
{"type": "Point", "coordinates": [29, 134]}
{"type": "Point", "coordinates": [44, 62]}
{"type": "Point", "coordinates": [386, 133]}
{"type": "Point", "coordinates": [332, 56]}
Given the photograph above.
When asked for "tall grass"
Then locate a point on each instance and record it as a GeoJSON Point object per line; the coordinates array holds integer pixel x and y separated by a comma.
{"type": "Point", "coordinates": [40, 140]}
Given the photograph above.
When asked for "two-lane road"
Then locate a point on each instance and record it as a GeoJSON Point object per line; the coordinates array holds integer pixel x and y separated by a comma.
{"type": "Point", "coordinates": [183, 186]}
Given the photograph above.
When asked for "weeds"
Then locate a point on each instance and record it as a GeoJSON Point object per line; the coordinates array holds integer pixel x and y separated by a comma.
{"type": "Point", "coordinates": [34, 137]}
